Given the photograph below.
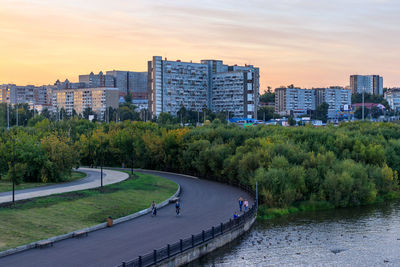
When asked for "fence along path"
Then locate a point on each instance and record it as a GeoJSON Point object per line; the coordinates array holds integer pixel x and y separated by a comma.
{"type": "Point", "coordinates": [204, 204]}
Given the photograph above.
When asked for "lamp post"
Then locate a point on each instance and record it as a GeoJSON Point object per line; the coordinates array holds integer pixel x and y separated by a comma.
{"type": "Point", "coordinates": [13, 171]}
{"type": "Point", "coordinates": [101, 161]}
{"type": "Point", "coordinates": [8, 116]}
{"type": "Point", "coordinates": [17, 113]}
{"type": "Point", "coordinates": [363, 92]}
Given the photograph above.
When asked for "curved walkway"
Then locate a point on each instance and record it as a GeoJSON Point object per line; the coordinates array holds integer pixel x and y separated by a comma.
{"type": "Point", "coordinates": [92, 180]}
{"type": "Point", "coordinates": [204, 204]}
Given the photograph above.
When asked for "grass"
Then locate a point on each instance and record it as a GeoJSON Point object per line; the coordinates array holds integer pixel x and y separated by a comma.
{"type": "Point", "coordinates": [6, 185]}
{"type": "Point", "coordinates": [271, 213]}
{"type": "Point", "coordinates": [45, 217]}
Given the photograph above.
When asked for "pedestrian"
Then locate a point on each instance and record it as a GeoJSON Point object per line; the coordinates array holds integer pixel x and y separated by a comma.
{"type": "Point", "coordinates": [240, 204]}
{"type": "Point", "coordinates": [153, 209]}
{"type": "Point", "coordinates": [246, 205]}
{"type": "Point", "coordinates": [177, 208]}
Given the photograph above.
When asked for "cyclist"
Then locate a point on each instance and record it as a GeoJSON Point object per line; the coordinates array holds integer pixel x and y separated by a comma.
{"type": "Point", "coordinates": [178, 208]}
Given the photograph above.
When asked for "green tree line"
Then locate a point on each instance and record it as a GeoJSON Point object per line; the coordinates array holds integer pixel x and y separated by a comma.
{"type": "Point", "coordinates": [349, 165]}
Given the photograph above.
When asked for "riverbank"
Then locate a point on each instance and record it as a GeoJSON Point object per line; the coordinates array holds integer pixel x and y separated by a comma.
{"type": "Point", "coordinates": [41, 218]}
{"type": "Point", "coordinates": [265, 213]}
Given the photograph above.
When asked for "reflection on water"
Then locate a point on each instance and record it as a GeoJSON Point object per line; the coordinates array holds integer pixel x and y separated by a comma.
{"type": "Point", "coordinates": [363, 236]}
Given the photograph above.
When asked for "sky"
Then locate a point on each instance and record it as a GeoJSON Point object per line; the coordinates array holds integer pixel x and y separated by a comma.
{"type": "Point", "coordinates": [308, 43]}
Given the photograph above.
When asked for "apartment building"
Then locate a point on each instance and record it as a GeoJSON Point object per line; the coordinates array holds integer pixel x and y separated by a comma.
{"type": "Point", "coordinates": [233, 92]}
{"type": "Point", "coordinates": [14, 94]}
{"type": "Point", "coordinates": [98, 99]}
{"type": "Point", "coordinates": [369, 84]}
{"type": "Point", "coordinates": [97, 80]}
{"type": "Point", "coordinates": [5, 93]}
{"type": "Point", "coordinates": [392, 96]}
{"type": "Point", "coordinates": [294, 101]}
{"type": "Point", "coordinates": [209, 84]}
{"type": "Point", "coordinates": [130, 81]}
{"type": "Point", "coordinates": [338, 99]}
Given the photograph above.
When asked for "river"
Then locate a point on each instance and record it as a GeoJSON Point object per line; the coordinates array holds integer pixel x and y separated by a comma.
{"type": "Point", "coordinates": [363, 236]}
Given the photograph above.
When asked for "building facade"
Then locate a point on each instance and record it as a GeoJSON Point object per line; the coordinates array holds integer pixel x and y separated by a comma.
{"type": "Point", "coordinates": [97, 80]}
{"type": "Point", "coordinates": [130, 81]}
{"type": "Point", "coordinates": [392, 96]}
{"type": "Point", "coordinates": [369, 84]}
{"type": "Point", "coordinates": [338, 99]}
{"type": "Point", "coordinates": [209, 84]}
{"type": "Point", "coordinates": [98, 99]}
{"type": "Point", "coordinates": [294, 101]}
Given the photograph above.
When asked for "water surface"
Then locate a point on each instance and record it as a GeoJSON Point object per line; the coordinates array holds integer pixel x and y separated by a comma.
{"type": "Point", "coordinates": [363, 236]}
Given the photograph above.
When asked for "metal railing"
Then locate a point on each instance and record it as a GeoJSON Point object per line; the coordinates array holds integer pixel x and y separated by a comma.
{"type": "Point", "coordinates": [171, 250]}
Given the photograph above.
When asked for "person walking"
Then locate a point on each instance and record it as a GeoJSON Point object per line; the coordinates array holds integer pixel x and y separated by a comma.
{"type": "Point", "coordinates": [177, 208]}
{"type": "Point", "coordinates": [246, 205]}
{"type": "Point", "coordinates": [240, 204]}
{"type": "Point", "coordinates": [153, 209]}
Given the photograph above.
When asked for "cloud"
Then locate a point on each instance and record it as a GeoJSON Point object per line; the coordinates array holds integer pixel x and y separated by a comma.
{"type": "Point", "coordinates": [305, 42]}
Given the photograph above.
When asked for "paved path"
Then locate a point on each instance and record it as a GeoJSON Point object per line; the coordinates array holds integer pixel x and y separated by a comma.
{"type": "Point", "coordinates": [204, 204]}
{"type": "Point", "coordinates": [91, 181]}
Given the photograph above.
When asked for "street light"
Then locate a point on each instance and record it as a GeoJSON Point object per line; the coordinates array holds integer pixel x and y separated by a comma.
{"type": "Point", "coordinates": [101, 160]}
{"type": "Point", "coordinates": [13, 172]}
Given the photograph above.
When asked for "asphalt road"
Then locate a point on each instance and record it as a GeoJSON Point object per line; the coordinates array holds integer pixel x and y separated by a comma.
{"type": "Point", "coordinates": [203, 204]}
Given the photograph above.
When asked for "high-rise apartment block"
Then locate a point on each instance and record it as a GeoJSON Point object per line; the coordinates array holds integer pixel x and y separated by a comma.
{"type": "Point", "coordinates": [369, 84]}
{"type": "Point", "coordinates": [30, 94]}
{"type": "Point", "coordinates": [294, 100]}
{"type": "Point", "coordinates": [96, 80]}
{"type": "Point", "coordinates": [98, 99]}
{"type": "Point", "coordinates": [126, 81]}
{"type": "Point", "coordinates": [338, 99]}
{"type": "Point", "coordinates": [209, 84]}
{"type": "Point", "coordinates": [130, 81]}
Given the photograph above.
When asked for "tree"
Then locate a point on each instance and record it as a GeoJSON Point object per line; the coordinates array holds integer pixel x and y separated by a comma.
{"type": "Point", "coordinates": [291, 121]}
{"type": "Point", "coordinates": [358, 113]}
{"type": "Point", "coordinates": [267, 97]}
{"type": "Point", "coordinates": [369, 98]}
{"type": "Point", "coordinates": [128, 98]}
{"type": "Point", "coordinates": [376, 112]}
{"type": "Point", "coordinates": [165, 118]}
{"type": "Point", "coordinates": [87, 112]}
{"type": "Point", "coordinates": [266, 113]}
{"type": "Point", "coordinates": [321, 112]}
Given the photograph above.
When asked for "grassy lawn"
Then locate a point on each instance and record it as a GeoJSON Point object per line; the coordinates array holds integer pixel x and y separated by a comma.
{"type": "Point", "coordinates": [59, 214]}
{"type": "Point", "coordinates": [6, 185]}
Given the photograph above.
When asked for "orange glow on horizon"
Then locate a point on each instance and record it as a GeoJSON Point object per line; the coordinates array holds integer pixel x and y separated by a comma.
{"type": "Point", "coordinates": [45, 40]}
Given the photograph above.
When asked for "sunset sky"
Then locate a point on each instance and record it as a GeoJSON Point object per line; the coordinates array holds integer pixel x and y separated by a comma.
{"type": "Point", "coordinates": [309, 43]}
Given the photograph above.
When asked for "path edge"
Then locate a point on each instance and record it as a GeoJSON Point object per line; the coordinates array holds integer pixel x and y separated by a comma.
{"type": "Point", "coordinates": [88, 229]}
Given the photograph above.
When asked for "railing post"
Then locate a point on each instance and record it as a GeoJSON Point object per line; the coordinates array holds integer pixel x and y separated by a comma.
{"type": "Point", "coordinates": [155, 256]}
{"type": "Point", "coordinates": [202, 235]}
{"type": "Point", "coordinates": [256, 194]}
{"type": "Point", "coordinates": [140, 261]}
{"type": "Point", "coordinates": [181, 244]}
{"type": "Point", "coordinates": [213, 232]}
{"type": "Point", "coordinates": [230, 223]}
{"type": "Point", "coordinates": [168, 250]}
{"type": "Point", "coordinates": [222, 225]}
{"type": "Point", "coordinates": [192, 241]}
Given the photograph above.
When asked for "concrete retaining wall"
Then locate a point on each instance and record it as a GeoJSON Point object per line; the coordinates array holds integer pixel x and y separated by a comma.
{"type": "Point", "coordinates": [205, 248]}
